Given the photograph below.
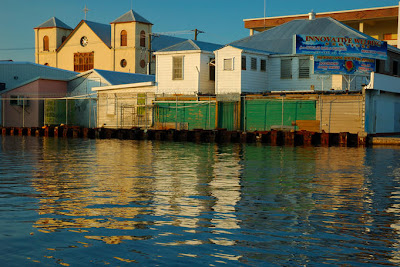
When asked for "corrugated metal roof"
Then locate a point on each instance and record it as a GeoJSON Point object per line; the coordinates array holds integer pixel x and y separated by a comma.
{"type": "Point", "coordinates": [115, 78]}
{"type": "Point", "coordinates": [192, 45]}
{"type": "Point", "coordinates": [15, 74]}
{"type": "Point", "coordinates": [54, 22]}
{"type": "Point", "coordinates": [280, 38]}
{"type": "Point", "coordinates": [101, 30]}
{"type": "Point", "coordinates": [160, 41]}
{"type": "Point", "coordinates": [131, 16]}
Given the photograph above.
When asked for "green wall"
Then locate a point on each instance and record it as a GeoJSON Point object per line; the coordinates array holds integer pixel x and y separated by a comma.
{"type": "Point", "coordinates": [55, 112]}
{"type": "Point", "coordinates": [261, 114]}
{"type": "Point", "coordinates": [197, 115]}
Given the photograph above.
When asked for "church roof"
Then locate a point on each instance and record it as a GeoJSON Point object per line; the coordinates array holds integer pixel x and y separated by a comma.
{"type": "Point", "coordinates": [131, 16]}
{"type": "Point", "coordinates": [54, 22]}
{"type": "Point", "coordinates": [280, 39]}
{"type": "Point", "coordinates": [103, 31]}
{"type": "Point", "coordinates": [192, 45]}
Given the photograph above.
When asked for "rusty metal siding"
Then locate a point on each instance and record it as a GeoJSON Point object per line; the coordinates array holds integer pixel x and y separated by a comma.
{"type": "Point", "coordinates": [341, 113]}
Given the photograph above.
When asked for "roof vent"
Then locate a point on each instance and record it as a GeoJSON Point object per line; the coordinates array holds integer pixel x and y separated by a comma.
{"type": "Point", "coordinates": [311, 15]}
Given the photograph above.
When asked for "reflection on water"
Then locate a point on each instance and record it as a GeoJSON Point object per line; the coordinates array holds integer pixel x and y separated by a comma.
{"type": "Point", "coordinates": [79, 202]}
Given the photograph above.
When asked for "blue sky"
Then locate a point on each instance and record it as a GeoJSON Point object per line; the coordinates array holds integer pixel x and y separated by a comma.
{"type": "Point", "coordinates": [222, 20]}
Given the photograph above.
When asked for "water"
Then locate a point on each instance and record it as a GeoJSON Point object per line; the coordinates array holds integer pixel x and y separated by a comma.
{"type": "Point", "coordinates": [75, 202]}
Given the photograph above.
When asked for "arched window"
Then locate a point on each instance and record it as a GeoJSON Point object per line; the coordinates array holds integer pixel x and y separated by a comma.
{"type": "Point", "coordinates": [143, 39]}
{"type": "Point", "coordinates": [63, 39]}
{"type": "Point", "coordinates": [46, 43]}
{"type": "Point", "coordinates": [124, 38]}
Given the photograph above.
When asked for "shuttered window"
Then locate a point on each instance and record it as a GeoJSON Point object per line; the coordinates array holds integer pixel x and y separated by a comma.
{"type": "Point", "coordinates": [304, 68]}
{"type": "Point", "coordinates": [243, 63]}
{"type": "Point", "coordinates": [124, 38]}
{"type": "Point", "coordinates": [83, 61]}
{"type": "Point", "coordinates": [254, 63]}
{"type": "Point", "coordinates": [46, 43]}
{"type": "Point", "coordinates": [286, 68]}
{"type": "Point", "coordinates": [228, 64]}
{"type": "Point", "coordinates": [177, 68]}
{"type": "Point", "coordinates": [263, 65]}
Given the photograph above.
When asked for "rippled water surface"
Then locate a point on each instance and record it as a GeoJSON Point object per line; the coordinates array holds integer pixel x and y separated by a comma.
{"type": "Point", "coordinates": [77, 202]}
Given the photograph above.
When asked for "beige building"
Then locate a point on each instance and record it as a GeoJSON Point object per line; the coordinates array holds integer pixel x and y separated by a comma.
{"type": "Point", "coordinates": [381, 23]}
{"type": "Point", "coordinates": [122, 46]}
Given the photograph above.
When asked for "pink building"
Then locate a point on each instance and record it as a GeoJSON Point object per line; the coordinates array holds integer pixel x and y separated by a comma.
{"type": "Point", "coordinates": [23, 106]}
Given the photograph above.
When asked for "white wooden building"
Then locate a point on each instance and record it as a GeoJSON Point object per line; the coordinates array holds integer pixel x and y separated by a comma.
{"type": "Point", "coordinates": [186, 68]}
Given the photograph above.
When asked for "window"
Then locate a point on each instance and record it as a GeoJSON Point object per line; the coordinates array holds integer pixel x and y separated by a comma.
{"type": "Point", "coordinates": [254, 63]}
{"type": "Point", "coordinates": [83, 61]}
{"type": "Point", "coordinates": [243, 63]}
{"type": "Point", "coordinates": [263, 65]}
{"type": "Point", "coordinates": [46, 43]}
{"type": "Point", "coordinates": [141, 103]}
{"type": "Point", "coordinates": [304, 68]}
{"type": "Point", "coordinates": [142, 63]}
{"type": "Point", "coordinates": [228, 64]}
{"type": "Point", "coordinates": [390, 36]}
{"type": "Point", "coordinates": [143, 39]}
{"type": "Point", "coordinates": [123, 63]}
{"type": "Point", "coordinates": [395, 67]}
{"type": "Point", "coordinates": [111, 104]}
{"type": "Point", "coordinates": [286, 68]}
{"type": "Point", "coordinates": [19, 101]}
{"type": "Point", "coordinates": [177, 68]}
{"type": "Point", "coordinates": [211, 65]}
{"type": "Point", "coordinates": [124, 38]}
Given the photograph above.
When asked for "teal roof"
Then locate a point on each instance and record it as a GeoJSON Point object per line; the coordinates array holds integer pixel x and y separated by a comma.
{"type": "Point", "coordinates": [116, 78]}
{"type": "Point", "coordinates": [131, 16]}
{"type": "Point", "coordinates": [192, 45]}
{"type": "Point", "coordinates": [103, 31]}
{"type": "Point", "coordinates": [54, 22]}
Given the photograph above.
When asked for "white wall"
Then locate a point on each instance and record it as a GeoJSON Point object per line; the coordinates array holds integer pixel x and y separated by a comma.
{"type": "Point", "coordinates": [228, 81]}
{"type": "Point", "coordinates": [254, 81]}
{"type": "Point", "coordinates": [384, 82]}
{"type": "Point", "coordinates": [195, 73]}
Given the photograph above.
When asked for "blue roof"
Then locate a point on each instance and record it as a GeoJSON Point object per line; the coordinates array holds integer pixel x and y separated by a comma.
{"type": "Point", "coordinates": [192, 45]}
{"type": "Point", "coordinates": [54, 22]}
{"type": "Point", "coordinates": [101, 30]}
{"type": "Point", "coordinates": [160, 41]}
{"type": "Point", "coordinates": [131, 16]}
{"type": "Point", "coordinates": [116, 78]}
{"type": "Point", "coordinates": [280, 39]}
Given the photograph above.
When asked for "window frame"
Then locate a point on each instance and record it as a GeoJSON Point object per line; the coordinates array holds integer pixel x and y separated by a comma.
{"type": "Point", "coordinates": [124, 38]}
{"type": "Point", "coordinates": [83, 61]}
{"type": "Point", "coordinates": [286, 70]}
{"type": "Point", "coordinates": [253, 63]}
{"type": "Point", "coordinates": [263, 67]}
{"type": "Point", "coordinates": [227, 67]}
{"type": "Point", "coordinates": [142, 41]}
{"type": "Point", "coordinates": [304, 69]}
{"type": "Point", "coordinates": [177, 68]}
{"type": "Point", "coordinates": [46, 43]}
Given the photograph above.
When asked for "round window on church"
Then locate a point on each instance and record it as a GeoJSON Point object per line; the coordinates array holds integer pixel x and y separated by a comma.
{"type": "Point", "coordinates": [142, 63]}
{"type": "Point", "coordinates": [84, 41]}
{"type": "Point", "coordinates": [123, 63]}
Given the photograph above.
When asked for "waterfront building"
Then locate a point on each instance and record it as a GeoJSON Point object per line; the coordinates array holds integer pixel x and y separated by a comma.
{"type": "Point", "coordinates": [380, 22]}
{"type": "Point", "coordinates": [125, 45]}
{"type": "Point", "coordinates": [23, 87]}
{"type": "Point", "coordinates": [186, 68]}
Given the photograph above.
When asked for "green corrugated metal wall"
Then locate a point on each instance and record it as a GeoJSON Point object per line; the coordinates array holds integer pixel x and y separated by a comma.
{"type": "Point", "coordinates": [197, 115]}
{"type": "Point", "coordinates": [227, 115]}
{"type": "Point", "coordinates": [261, 114]}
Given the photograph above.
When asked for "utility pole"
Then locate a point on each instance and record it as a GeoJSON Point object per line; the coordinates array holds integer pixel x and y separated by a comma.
{"type": "Point", "coordinates": [196, 32]}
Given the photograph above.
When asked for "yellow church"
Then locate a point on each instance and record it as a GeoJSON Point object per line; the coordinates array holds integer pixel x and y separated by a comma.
{"type": "Point", "coordinates": [123, 45]}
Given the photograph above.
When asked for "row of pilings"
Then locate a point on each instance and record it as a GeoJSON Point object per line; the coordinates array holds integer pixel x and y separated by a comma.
{"type": "Point", "coordinates": [278, 138]}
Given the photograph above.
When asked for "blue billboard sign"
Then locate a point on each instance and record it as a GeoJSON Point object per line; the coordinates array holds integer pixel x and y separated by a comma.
{"type": "Point", "coordinates": [324, 64]}
{"type": "Point", "coordinates": [340, 46]}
